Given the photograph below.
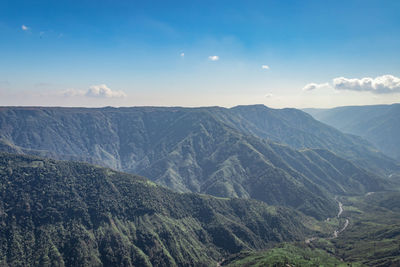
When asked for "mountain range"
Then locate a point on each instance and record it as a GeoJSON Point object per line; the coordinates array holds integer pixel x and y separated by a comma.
{"type": "Point", "coordinates": [379, 124]}
{"type": "Point", "coordinates": [60, 213]}
{"type": "Point", "coordinates": [216, 151]}
{"type": "Point", "coordinates": [220, 181]}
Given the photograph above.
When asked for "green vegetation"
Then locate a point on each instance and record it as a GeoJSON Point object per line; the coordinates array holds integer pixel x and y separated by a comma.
{"type": "Point", "coordinates": [284, 255]}
{"type": "Point", "coordinates": [379, 124]}
{"type": "Point", "coordinates": [373, 237]}
{"type": "Point", "coordinates": [211, 150]}
{"type": "Point", "coordinates": [299, 130]}
{"type": "Point", "coordinates": [74, 214]}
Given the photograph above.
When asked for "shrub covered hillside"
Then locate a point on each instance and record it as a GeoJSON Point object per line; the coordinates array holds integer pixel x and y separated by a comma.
{"type": "Point", "coordinates": [73, 214]}
{"type": "Point", "coordinates": [216, 151]}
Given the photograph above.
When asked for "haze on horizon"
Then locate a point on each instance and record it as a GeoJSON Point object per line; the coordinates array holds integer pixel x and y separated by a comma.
{"type": "Point", "coordinates": [199, 53]}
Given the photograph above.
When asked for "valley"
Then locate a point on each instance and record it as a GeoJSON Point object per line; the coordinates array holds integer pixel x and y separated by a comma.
{"type": "Point", "coordinates": [226, 186]}
{"type": "Point", "coordinates": [199, 133]}
{"type": "Point", "coordinates": [205, 150]}
{"type": "Point", "coordinates": [369, 236]}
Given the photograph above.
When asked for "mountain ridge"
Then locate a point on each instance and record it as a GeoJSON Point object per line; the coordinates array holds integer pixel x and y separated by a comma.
{"type": "Point", "coordinates": [198, 150]}
{"type": "Point", "coordinates": [69, 213]}
{"type": "Point", "coordinates": [376, 123]}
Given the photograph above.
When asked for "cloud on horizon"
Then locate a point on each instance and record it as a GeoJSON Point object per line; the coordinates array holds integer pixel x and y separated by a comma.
{"type": "Point", "coordinates": [98, 91]}
{"type": "Point", "coordinates": [103, 91]}
{"type": "Point", "coordinates": [265, 67]}
{"type": "Point", "coordinates": [314, 86]}
{"type": "Point", "coordinates": [72, 93]}
{"type": "Point", "coordinates": [269, 95]}
{"type": "Point", "coordinates": [385, 84]}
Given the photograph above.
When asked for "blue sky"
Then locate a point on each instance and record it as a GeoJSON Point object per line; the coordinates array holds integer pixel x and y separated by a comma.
{"type": "Point", "coordinates": [128, 53]}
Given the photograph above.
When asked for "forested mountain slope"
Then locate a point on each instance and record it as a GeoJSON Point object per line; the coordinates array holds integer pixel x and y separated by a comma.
{"type": "Point", "coordinates": [300, 130]}
{"type": "Point", "coordinates": [204, 150]}
{"type": "Point", "coordinates": [125, 138]}
{"type": "Point", "coordinates": [73, 214]}
{"type": "Point", "coordinates": [379, 124]}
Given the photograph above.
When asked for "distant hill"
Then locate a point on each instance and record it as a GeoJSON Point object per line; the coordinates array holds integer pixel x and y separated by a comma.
{"type": "Point", "coordinates": [300, 130]}
{"type": "Point", "coordinates": [56, 213]}
{"type": "Point", "coordinates": [203, 150]}
{"type": "Point", "coordinates": [379, 124]}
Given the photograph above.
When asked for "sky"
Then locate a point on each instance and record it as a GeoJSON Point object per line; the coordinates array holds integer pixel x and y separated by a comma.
{"type": "Point", "coordinates": [199, 53]}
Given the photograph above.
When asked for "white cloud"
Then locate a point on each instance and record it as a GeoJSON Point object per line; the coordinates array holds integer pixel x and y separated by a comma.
{"type": "Point", "coordinates": [102, 91]}
{"type": "Point", "coordinates": [73, 92]}
{"type": "Point", "coordinates": [182, 54]}
{"type": "Point", "coordinates": [384, 84]}
{"type": "Point", "coordinates": [313, 86]}
{"type": "Point", "coordinates": [213, 58]}
{"type": "Point", "coordinates": [269, 95]}
{"type": "Point", "coordinates": [99, 91]}
{"type": "Point", "coordinates": [265, 67]}
{"type": "Point", "coordinates": [24, 27]}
